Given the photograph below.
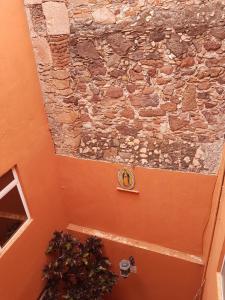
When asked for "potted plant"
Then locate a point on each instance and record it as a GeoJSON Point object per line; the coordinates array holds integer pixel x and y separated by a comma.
{"type": "Point", "coordinates": [76, 271]}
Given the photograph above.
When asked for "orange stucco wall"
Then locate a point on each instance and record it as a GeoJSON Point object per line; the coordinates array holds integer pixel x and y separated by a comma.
{"type": "Point", "coordinates": [217, 249]}
{"type": "Point", "coordinates": [158, 277]}
{"type": "Point", "coordinates": [25, 142]}
{"type": "Point", "coordinates": [171, 210]}
{"type": "Point", "coordinates": [209, 232]}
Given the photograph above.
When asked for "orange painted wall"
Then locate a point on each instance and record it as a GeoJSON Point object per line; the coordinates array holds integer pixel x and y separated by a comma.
{"type": "Point", "coordinates": [217, 253]}
{"type": "Point", "coordinates": [208, 236]}
{"type": "Point", "coordinates": [158, 277]}
{"type": "Point", "coordinates": [25, 142]}
{"type": "Point", "coordinates": [171, 210]}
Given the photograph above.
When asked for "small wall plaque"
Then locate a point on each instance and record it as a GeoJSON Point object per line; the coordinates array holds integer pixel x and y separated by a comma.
{"type": "Point", "coordinates": [126, 178]}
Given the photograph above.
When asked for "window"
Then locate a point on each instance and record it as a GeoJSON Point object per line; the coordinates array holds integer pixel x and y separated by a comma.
{"type": "Point", "coordinates": [13, 209]}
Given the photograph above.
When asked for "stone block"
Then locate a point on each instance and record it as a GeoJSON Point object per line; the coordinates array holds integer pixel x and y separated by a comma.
{"type": "Point", "coordinates": [75, 3]}
{"type": "Point", "coordinates": [104, 16]}
{"type": "Point", "coordinates": [57, 19]}
{"type": "Point", "coordinates": [31, 2]}
{"type": "Point", "coordinates": [114, 92]}
{"type": "Point", "coordinates": [42, 51]}
{"type": "Point", "coordinates": [67, 117]}
{"type": "Point", "coordinates": [177, 123]}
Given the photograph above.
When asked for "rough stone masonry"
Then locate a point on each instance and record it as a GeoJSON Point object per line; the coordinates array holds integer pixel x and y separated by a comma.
{"type": "Point", "coordinates": [134, 81]}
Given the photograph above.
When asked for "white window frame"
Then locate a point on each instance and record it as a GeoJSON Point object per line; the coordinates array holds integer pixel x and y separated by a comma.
{"type": "Point", "coordinates": [15, 183]}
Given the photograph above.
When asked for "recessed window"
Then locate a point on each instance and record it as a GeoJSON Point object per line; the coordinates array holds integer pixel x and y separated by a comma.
{"type": "Point", "coordinates": [13, 209]}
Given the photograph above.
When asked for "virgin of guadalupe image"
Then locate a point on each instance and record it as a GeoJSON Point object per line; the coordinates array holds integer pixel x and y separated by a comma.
{"type": "Point", "coordinates": [126, 178]}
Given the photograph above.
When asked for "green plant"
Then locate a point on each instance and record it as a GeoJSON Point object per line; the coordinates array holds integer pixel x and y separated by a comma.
{"type": "Point", "coordinates": [77, 271]}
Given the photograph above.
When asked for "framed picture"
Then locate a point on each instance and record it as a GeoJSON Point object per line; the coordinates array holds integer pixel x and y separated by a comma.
{"type": "Point", "coordinates": [126, 178]}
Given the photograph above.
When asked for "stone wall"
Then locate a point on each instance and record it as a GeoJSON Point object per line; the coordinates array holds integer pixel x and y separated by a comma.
{"type": "Point", "coordinates": [134, 81]}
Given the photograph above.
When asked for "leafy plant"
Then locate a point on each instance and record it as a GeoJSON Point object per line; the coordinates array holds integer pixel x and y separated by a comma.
{"type": "Point", "coordinates": [77, 271]}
